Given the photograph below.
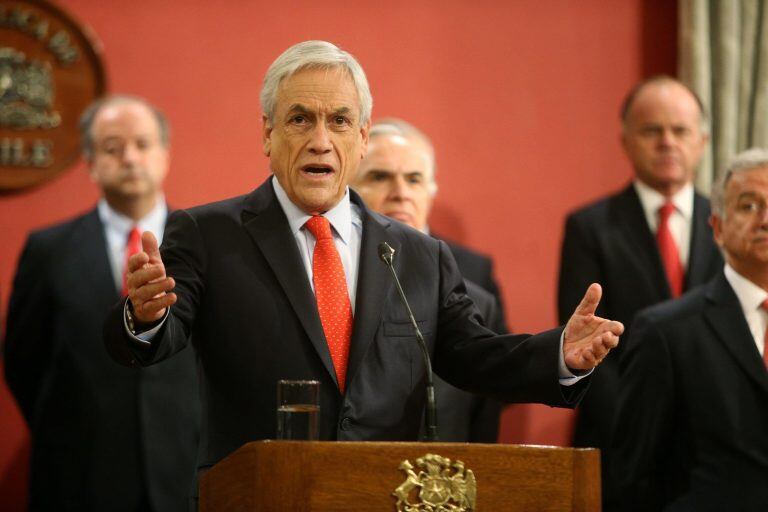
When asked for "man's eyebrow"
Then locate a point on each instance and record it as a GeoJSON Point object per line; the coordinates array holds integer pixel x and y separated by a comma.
{"type": "Point", "coordinates": [341, 111]}
{"type": "Point", "coordinates": [378, 171]}
{"type": "Point", "coordinates": [299, 108]}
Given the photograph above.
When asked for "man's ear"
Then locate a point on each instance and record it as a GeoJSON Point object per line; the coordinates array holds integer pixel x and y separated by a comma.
{"type": "Point", "coordinates": [364, 132]}
{"type": "Point", "coordinates": [717, 228]}
{"type": "Point", "coordinates": [91, 171]}
{"type": "Point", "coordinates": [266, 135]}
{"type": "Point", "coordinates": [623, 140]}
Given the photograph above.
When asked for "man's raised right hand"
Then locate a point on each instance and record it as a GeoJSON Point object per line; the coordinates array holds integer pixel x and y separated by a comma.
{"type": "Point", "coordinates": [149, 289]}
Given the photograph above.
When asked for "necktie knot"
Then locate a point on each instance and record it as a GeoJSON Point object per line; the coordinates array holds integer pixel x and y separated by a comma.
{"type": "Point", "coordinates": [666, 211]}
{"type": "Point", "coordinates": [319, 227]}
{"type": "Point", "coordinates": [764, 305]}
{"type": "Point", "coordinates": [134, 238]}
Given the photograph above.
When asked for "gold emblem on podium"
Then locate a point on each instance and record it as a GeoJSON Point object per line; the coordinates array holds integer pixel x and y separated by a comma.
{"type": "Point", "coordinates": [436, 485]}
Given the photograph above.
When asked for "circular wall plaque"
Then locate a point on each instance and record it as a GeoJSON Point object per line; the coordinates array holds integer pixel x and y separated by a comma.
{"type": "Point", "coordinates": [50, 71]}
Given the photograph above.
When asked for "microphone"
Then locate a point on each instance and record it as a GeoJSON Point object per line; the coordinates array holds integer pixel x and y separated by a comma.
{"type": "Point", "coordinates": [387, 253]}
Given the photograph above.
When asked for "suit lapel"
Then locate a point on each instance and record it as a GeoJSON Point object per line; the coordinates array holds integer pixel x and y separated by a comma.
{"type": "Point", "coordinates": [725, 316]}
{"type": "Point", "coordinates": [265, 222]}
{"type": "Point", "coordinates": [700, 254]}
{"type": "Point", "coordinates": [634, 226]}
{"type": "Point", "coordinates": [373, 285]}
{"type": "Point", "coordinates": [90, 243]}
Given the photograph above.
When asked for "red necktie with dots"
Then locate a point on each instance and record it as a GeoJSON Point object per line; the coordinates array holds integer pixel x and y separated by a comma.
{"type": "Point", "coordinates": [764, 305]}
{"type": "Point", "coordinates": [132, 247]}
{"type": "Point", "coordinates": [331, 295]}
{"type": "Point", "coordinates": [670, 256]}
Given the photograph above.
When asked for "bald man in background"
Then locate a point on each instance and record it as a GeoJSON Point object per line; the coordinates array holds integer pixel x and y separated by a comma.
{"type": "Point", "coordinates": [104, 437]}
{"type": "Point", "coordinates": [645, 244]}
{"type": "Point", "coordinates": [397, 178]}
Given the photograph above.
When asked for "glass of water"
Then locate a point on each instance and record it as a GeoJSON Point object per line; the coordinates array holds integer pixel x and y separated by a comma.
{"type": "Point", "coordinates": [298, 408]}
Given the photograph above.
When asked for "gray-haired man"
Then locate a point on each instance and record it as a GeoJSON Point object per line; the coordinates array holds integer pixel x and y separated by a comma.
{"type": "Point", "coordinates": [693, 405]}
{"type": "Point", "coordinates": [286, 282]}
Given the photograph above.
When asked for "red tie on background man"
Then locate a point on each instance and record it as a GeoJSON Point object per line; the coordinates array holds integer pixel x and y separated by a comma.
{"type": "Point", "coordinates": [132, 247]}
{"type": "Point", "coordinates": [764, 305]}
{"type": "Point", "coordinates": [670, 256]}
{"type": "Point", "coordinates": [331, 295]}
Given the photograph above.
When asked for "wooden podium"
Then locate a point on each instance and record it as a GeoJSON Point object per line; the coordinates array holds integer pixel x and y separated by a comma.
{"type": "Point", "coordinates": [298, 476]}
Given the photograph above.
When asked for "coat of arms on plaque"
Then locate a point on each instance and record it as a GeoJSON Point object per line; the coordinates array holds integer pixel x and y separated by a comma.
{"type": "Point", "coordinates": [436, 485]}
{"type": "Point", "coordinates": [50, 71]}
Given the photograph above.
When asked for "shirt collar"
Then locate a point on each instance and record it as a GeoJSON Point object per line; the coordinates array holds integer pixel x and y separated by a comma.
{"type": "Point", "coordinates": [652, 200]}
{"type": "Point", "coordinates": [153, 221]}
{"type": "Point", "coordinates": [340, 216]}
{"type": "Point", "coordinates": [750, 295]}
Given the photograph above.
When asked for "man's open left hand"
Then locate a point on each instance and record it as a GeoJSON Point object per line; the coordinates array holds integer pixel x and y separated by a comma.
{"type": "Point", "coordinates": [589, 338]}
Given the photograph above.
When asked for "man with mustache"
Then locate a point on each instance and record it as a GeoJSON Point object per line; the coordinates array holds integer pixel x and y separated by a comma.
{"type": "Point", "coordinates": [104, 437]}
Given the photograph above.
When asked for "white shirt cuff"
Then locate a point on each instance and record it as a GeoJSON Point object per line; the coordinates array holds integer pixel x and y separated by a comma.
{"type": "Point", "coordinates": [566, 377]}
{"type": "Point", "coordinates": [145, 337]}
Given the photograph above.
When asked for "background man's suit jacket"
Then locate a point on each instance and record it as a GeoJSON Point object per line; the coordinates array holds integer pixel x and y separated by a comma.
{"type": "Point", "coordinates": [693, 414]}
{"type": "Point", "coordinates": [610, 242]}
{"type": "Point", "coordinates": [465, 417]}
{"type": "Point", "coordinates": [102, 434]}
{"type": "Point", "coordinates": [246, 302]}
{"type": "Point", "coordinates": [478, 268]}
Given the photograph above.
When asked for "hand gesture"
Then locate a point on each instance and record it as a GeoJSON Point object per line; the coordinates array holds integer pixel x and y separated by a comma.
{"type": "Point", "coordinates": [589, 338]}
{"type": "Point", "coordinates": [149, 289]}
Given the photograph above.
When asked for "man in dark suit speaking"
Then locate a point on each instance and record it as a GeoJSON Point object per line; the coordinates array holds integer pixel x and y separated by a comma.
{"type": "Point", "coordinates": [691, 426]}
{"type": "Point", "coordinates": [286, 283]}
{"type": "Point", "coordinates": [104, 437]}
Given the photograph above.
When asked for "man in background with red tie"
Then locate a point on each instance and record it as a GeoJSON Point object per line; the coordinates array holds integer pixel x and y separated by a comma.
{"type": "Point", "coordinates": [691, 431]}
{"type": "Point", "coordinates": [104, 437]}
{"type": "Point", "coordinates": [648, 243]}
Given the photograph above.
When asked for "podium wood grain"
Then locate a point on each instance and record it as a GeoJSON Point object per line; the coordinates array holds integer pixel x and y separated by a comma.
{"type": "Point", "coordinates": [301, 476]}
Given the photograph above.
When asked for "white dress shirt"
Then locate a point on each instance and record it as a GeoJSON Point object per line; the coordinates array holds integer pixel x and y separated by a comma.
{"type": "Point", "coordinates": [347, 233]}
{"type": "Point", "coordinates": [750, 297]}
{"type": "Point", "coordinates": [117, 227]}
{"type": "Point", "coordinates": [680, 221]}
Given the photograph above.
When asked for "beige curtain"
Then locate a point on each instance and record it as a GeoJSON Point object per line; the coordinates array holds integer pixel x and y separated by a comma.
{"type": "Point", "coordinates": [723, 56]}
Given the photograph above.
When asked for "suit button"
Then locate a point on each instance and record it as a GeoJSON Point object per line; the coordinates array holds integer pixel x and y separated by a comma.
{"type": "Point", "coordinates": [346, 424]}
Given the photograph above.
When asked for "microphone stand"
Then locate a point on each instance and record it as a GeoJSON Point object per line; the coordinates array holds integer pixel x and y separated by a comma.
{"type": "Point", "coordinates": [386, 253]}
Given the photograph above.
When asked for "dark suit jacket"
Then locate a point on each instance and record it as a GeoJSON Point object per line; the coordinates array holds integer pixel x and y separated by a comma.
{"type": "Point", "coordinates": [245, 302]}
{"type": "Point", "coordinates": [102, 434]}
{"type": "Point", "coordinates": [462, 416]}
{"type": "Point", "coordinates": [693, 410]}
{"type": "Point", "coordinates": [478, 268]}
{"type": "Point", "coordinates": [610, 242]}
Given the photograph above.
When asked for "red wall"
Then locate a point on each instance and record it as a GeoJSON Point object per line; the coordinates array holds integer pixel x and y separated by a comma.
{"type": "Point", "coordinates": [519, 97]}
